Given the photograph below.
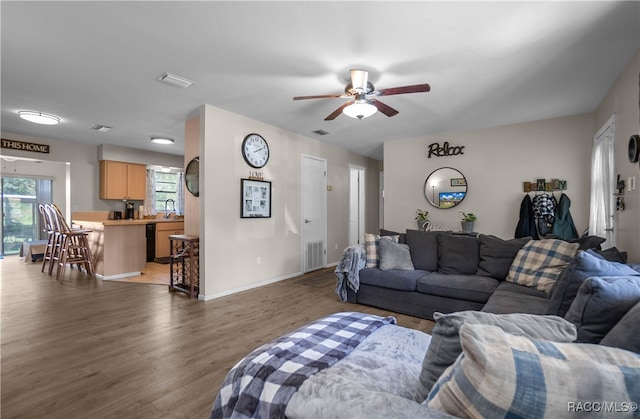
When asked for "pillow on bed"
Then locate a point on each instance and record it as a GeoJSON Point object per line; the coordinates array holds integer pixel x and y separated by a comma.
{"type": "Point", "coordinates": [371, 246]}
{"type": "Point", "coordinates": [445, 338]}
{"type": "Point", "coordinates": [394, 255]}
{"type": "Point", "coordinates": [501, 375]}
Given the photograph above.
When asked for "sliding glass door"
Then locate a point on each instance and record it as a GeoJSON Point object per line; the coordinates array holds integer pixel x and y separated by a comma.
{"type": "Point", "coordinates": [21, 219]}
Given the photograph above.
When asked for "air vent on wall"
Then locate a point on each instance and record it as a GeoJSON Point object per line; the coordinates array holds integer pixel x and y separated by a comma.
{"type": "Point", "coordinates": [101, 128]}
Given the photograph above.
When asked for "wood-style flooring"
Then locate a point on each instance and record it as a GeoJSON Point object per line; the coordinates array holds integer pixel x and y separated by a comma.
{"type": "Point", "coordinates": [104, 349]}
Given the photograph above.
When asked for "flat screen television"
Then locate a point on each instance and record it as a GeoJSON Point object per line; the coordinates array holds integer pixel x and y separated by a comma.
{"type": "Point", "coordinates": [450, 199]}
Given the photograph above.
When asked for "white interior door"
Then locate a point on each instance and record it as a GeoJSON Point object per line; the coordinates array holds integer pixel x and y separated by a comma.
{"type": "Point", "coordinates": [314, 212]}
{"type": "Point", "coordinates": [602, 214]}
{"type": "Point", "coordinates": [356, 205]}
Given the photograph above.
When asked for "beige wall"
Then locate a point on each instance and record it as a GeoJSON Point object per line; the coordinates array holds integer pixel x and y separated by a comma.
{"type": "Point", "coordinates": [622, 100]}
{"type": "Point", "coordinates": [496, 161]}
{"type": "Point", "coordinates": [232, 245]}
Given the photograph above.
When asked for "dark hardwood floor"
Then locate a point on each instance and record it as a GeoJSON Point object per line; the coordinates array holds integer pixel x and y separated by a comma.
{"type": "Point", "coordinates": [99, 349]}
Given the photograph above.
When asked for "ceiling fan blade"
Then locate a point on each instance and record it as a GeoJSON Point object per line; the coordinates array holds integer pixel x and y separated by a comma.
{"type": "Point", "coordinates": [337, 112]}
{"type": "Point", "coordinates": [416, 88]}
{"type": "Point", "coordinates": [385, 109]}
{"type": "Point", "coordinates": [318, 97]}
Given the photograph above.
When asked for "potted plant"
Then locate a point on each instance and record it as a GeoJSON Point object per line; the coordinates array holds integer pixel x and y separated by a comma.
{"type": "Point", "coordinates": [467, 222]}
{"type": "Point", "coordinates": [422, 218]}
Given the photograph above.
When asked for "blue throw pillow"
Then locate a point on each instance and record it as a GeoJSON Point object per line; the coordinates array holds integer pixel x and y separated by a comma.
{"type": "Point", "coordinates": [585, 265]}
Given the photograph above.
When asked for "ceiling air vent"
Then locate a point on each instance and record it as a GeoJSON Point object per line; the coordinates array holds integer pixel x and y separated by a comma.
{"type": "Point", "coordinates": [320, 132]}
{"type": "Point", "coordinates": [101, 128]}
{"type": "Point", "coordinates": [174, 80]}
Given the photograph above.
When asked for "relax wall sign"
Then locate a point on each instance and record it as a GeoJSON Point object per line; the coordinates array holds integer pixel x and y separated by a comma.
{"type": "Point", "coordinates": [437, 150]}
{"type": "Point", "coordinates": [21, 145]}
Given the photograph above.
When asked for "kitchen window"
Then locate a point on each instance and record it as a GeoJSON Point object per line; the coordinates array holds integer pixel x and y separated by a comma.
{"type": "Point", "coordinates": [167, 190]}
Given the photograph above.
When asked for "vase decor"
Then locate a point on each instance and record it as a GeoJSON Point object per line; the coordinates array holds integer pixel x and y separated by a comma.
{"type": "Point", "coordinates": [467, 222]}
{"type": "Point", "coordinates": [422, 219]}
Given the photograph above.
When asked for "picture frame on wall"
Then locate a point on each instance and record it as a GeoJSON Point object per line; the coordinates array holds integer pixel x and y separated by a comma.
{"type": "Point", "coordinates": [255, 198]}
{"type": "Point", "coordinates": [459, 181]}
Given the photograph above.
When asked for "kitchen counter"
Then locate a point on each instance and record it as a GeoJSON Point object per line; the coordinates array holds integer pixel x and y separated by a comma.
{"type": "Point", "coordinates": [135, 221]}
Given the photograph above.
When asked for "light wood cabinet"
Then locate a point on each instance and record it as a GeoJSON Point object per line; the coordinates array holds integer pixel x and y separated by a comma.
{"type": "Point", "coordinates": [163, 231]}
{"type": "Point", "coordinates": [121, 180]}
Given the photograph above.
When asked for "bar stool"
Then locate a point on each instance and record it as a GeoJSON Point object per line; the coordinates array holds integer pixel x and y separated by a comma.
{"type": "Point", "coordinates": [52, 251]}
{"type": "Point", "coordinates": [73, 247]}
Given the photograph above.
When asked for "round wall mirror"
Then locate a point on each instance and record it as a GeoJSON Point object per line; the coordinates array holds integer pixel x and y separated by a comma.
{"type": "Point", "coordinates": [445, 187]}
{"type": "Point", "coordinates": [192, 176]}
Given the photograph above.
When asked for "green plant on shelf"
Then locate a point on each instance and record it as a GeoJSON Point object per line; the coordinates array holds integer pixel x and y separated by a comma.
{"type": "Point", "coordinates": [468, 217]}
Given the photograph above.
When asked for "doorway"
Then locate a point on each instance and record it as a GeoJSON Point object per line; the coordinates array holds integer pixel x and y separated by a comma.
{"type": "Point", "coordinates": [314, 213]}
{"type": "Point", "coordinates": [356, 204]}
{"type": "Point", "coordinates": [21, 221]}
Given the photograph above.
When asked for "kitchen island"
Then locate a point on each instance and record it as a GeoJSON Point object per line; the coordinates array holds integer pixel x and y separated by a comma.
{"type": "Point", "coordinates": [118, 247]}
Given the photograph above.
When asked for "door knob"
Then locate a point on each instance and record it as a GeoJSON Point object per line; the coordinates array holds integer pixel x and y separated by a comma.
{"type": "Point", "coordinates": [306, 221]}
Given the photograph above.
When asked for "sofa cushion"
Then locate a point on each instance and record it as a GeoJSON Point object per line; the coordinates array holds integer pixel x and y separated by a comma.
{"type": "Point", "coordinates": [461, 287]}
{"type": "Point", "coordinates": [503, 302]}
{"type": "Point", "coordinates": [502, 375]}
{"type": "Point", "coordinates": [445, 341]}
{"type": "Point", "coordinates": [372, 249]}
{"type": "Point", "coordinates": [394, 255]}
{"type": "Point", "coordinates": [458, 255]}
{"type": "Point", "coordinates": [392, 279]}
{"type": "Point", "coordinates": [496, 255]}
{"type": "Point", "coordinates": [539, 263]}
{"type": "Point", "coordinates": [625, 334]}
{"type": "Point", "coordinates": [601, 303]}
{"type": "Point", "coordinates": [584, 242]}
{"type": "Point", "coordinates": [522, 289]}
{"type": "Point", "coordinates": [585, 265]}
{"type": "Point", "coordinates": [612, 254]}
{"type": "Point", "coordinates": [423, 246]}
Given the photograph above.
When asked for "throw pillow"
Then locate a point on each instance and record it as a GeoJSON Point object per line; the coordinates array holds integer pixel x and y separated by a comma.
{"type": "Point", "coordinates": [423, 246]}
{"type": "Point", "coordinates": [394, 255]}
{"type": "Point", "coordinates": [624, 334]}
{"type": "Point", "coordinates": [496, 255]}
{"type": "Point", "coordinates": [402, 237]}
{"type": "Point", "coordinates": [612, 254]}
{"type": "Point", "coordinates": [585, 265]}
{"type": "Point", "coordinates": [372, 249]}
{"type": "Point", "coordinates": [458, 255]}
{"type": "Point", "coordinates": [601, 303]}
{"type": "Point", "coordinates": [445, 338]}
{"type": "Point", "coordinates": [501, 375]}
{"type": "Point", "coordinates": [540, 262]}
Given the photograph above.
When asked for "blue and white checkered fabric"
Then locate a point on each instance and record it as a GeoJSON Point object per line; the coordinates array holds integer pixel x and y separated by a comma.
{"type": "Point", "coordinates": [261, 384]}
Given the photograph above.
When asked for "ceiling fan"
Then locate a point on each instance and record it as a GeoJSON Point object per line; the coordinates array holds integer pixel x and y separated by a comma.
{"type": "Point", "coordinates": [363, 95]}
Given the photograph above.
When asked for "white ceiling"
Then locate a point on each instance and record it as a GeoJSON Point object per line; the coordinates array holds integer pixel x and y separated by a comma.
{"type": "Point", "coordinates": [488, 64]}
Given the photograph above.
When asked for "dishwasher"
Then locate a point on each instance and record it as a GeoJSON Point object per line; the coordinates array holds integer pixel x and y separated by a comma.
{"type": "Point", "coordinates": [151, 242]}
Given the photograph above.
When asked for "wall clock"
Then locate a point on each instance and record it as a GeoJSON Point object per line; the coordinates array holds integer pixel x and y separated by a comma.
{"type": "Point", "coordinates": [192, 176]}
{"type": "Point", "coordinates": [634, 148]}
{"type": "Point", "coordinates": [255, 150]}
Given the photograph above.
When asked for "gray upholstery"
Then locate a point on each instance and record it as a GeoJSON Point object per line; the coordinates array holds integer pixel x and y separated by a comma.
{"type": "Point", "coordinates": [496, 255]}
{"type": "Point", "coordinates": [463, 287]}
{"type": "Point", "coordinates": [625, 333]}
{"type": "Point", "coordinates": [394, 255]}
{"type": "Point", "coordinates": [423, 246]}
{"type": "Point", "coordinates": [458, 255]}
{"type": "Point", "coordinates": [521, 289]}
{"type": "Point", "coordinates": [502, 302]}
{"type": "Point", "coordinates": [392, 279]}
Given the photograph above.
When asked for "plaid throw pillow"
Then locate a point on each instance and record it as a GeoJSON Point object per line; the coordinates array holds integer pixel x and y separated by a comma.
{"type": "Point", "coordinates": [372, 247]}
{"type": "Point", "coordinates": [501, 375]}
{"type": "Point", "coordinates": [540, 262]}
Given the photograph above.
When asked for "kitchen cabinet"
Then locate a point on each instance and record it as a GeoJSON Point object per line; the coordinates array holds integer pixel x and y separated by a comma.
{"type": "Point", "coordinates": [163, 231]}
{"type": "Point", "coordinates": [121, 180]}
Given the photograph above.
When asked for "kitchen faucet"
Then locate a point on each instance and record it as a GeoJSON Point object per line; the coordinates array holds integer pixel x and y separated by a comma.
{"type": "Point", "coordinates": [167, 214]}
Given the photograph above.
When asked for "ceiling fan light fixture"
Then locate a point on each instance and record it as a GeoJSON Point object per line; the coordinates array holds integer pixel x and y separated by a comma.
{"type": "Point", "coordinates": [359, 79]}
{"type": "Point", "coordinates": [360, 110]}
{"type": "Point", "coordinates": [162, 140]}
{"type": "Point", "coordinates": [39, 117]}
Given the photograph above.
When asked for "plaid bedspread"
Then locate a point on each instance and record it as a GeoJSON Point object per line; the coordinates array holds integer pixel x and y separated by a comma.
{"type": "Point", "coordinates": [261, 384]}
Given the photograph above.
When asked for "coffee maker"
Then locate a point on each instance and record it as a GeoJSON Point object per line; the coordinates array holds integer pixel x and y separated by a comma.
{"type": "Point", "coordinates": [129, 211]}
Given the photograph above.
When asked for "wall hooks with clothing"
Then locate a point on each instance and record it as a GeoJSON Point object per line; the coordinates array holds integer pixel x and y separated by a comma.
{"type": "Point", "coordinates": [544, 214]}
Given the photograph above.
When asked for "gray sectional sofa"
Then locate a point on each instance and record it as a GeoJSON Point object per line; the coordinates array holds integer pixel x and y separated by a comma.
{"type": "Point", "coordinates": [460, 272]}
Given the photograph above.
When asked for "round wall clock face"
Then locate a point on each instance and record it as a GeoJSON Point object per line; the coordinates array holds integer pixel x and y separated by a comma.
{"type": "Point", "coordinates": [191, 176]}
{"type": "Point", "coordinates": [255, 150]}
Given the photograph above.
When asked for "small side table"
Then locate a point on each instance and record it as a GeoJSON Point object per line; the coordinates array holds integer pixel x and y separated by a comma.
{"type": "Point", "coordinates": [184, 264]}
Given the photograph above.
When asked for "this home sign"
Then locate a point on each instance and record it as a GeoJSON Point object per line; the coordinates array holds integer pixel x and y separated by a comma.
{"type": "Point", "coordinates": [436, 150]}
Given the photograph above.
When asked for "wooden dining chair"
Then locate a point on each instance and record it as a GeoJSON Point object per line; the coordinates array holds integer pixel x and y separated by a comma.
{"type": "Point", "coordinates": [74, 247]}
{"type": "Point", "coordinates": [51, 236]}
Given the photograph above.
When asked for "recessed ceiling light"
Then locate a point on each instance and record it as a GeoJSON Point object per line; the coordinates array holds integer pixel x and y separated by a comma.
{"type": "Point", "coordinates": [162, 140]}
{"type": "Point", "coordinates": [174, 80]}
{"type": "Point", "coordinates": [39, 117]}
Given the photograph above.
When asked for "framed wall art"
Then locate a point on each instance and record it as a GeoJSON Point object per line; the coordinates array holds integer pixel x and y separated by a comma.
{"type": "Point", "coordinates": [255, 198]}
